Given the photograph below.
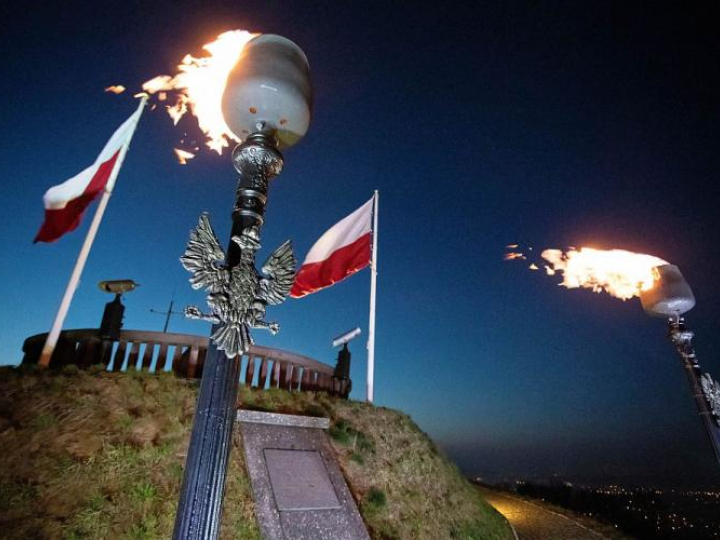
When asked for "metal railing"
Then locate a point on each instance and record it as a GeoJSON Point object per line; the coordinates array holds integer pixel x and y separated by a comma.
{"type": "Point", "coordinates": [184, 354]}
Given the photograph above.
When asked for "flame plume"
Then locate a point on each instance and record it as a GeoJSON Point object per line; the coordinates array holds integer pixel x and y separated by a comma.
{"type": "Point", "coordinates": [199, 85]}
{"type": "Point", "coordinates": [183, 155]}
{"type": "Point", "coordinates": [622, 274]}
{"type": "Point", "coordinates": [115, 89]}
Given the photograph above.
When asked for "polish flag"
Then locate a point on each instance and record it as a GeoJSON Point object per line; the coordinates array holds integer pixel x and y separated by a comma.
{"type": "Point", "coordinates": [65, 203]}
{"type": "Point", "coordinates": [344, 249]}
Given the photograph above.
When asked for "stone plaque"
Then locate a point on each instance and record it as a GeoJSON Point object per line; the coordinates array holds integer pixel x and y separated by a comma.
{"type": "Point", "coordinates": [298, 487]}
{"type": "Point", "coordinates": [299, 480]}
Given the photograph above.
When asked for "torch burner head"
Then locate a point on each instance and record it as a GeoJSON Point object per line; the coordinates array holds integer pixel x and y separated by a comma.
{"type": "Point", "coordinates": [670, 296]}
{"type": "Point", "coordinates": [269, 89]}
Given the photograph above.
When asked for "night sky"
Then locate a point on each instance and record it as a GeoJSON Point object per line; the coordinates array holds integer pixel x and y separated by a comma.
{"type": "Point", "coordinates": [547, 124]}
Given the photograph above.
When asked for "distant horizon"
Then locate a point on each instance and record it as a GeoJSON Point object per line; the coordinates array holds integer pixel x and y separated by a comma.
{"type": "Point", "coordinates": [493, 468]}
{"type": "Point", "coordinates": [595, 482]}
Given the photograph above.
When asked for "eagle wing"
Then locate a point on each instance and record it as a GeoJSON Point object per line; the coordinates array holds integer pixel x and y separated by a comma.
{"type": "Point", "coordinates": [280, 269]}
{"type": "Point", "coordinates": [202, 257]}
{"type": "Point", "coordinates": [712, 392]}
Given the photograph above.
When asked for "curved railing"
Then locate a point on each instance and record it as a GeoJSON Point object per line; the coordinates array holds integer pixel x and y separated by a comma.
{"type": "Point", "coordinates": [184, 354]}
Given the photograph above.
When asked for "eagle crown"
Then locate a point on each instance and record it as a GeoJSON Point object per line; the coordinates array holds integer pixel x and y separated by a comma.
{"type": "Point", "coordinates": [248, 240]}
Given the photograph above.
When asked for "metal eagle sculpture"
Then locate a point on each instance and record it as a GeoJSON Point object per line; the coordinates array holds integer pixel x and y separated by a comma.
{"type": "Point", "coordinates": [237, 296]}
{"type": "Point", "coordinates": [711, 389]}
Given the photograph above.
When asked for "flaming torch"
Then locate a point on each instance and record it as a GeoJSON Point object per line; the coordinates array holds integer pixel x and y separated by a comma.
{"type": "Point", "coordinates": [663, 292]}
{"type": "Point", "coordinates": [670, 298]}
{"type": "Point", "coordinates": [256, 89]}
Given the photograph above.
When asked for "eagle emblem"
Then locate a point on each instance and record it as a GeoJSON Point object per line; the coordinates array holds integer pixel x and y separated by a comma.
{"type": "Point", "coordinates": [711, 390]}
{"type": "Point", "coordinates": [237, 296]}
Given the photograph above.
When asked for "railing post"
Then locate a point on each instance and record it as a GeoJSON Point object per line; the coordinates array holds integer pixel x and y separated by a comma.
{"type": "Point", "coordinates": [275, 378]}
{"type": "Point", "coordinates": [133, 354]}
{"type": "Point", "coordinates": [119, 357]}
{"type": "Point", "coordinates": [148, 356]}
{"type": "Point", "coordinates": [262, 379]}
{"type": "Point", "coordinates": [250, 370]}
{"type": "Point", "coordinates": [192, 362]}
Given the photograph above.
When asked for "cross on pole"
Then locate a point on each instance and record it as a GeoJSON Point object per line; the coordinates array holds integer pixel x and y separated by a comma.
{"type": "Point", "coordinates": [169, 313]}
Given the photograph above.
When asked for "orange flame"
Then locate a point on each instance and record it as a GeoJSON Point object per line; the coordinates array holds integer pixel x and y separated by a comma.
{"type": "Point", "coordinates": [115, 89]}
{"type": "Point", "coordinates": [622, 274]}
{"type": "Point", "coordinates": [199, 86]}
{"type": "Point", "coordinates": [183, 155]}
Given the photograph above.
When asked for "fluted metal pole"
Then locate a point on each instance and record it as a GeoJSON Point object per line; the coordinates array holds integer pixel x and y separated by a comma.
{"type": "Point", "coordinates": [200, 506]}
{"type": "Point", "coordinates": [257, 161]}
{"type": "Point", "coordinates": [681, 338]}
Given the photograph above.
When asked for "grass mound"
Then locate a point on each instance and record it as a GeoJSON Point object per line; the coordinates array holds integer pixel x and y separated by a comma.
{"type": "Point", "coordinates": [91, 454]}
{"type": "Point", "coordinates": [404, 486]}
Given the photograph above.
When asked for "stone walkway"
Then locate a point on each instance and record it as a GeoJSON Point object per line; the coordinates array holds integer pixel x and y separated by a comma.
{"type": "Point", "coordinates": [533, 522]}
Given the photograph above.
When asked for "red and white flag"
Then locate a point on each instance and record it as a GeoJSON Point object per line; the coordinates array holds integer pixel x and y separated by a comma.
{"type": "Point", "coordinates": [344, 249]}
{"type": "Point", "coordinates": [65, 203]}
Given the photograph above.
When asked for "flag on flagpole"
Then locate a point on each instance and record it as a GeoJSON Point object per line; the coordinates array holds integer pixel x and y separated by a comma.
{"type": "Point", "coordinates": [65, 203]}
{"type": "Point", "coordinates": [344, 249]}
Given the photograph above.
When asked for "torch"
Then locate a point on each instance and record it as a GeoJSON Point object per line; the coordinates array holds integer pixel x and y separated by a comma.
{"type": "Point", "coordinates": [670, 298]}
{"type": "Point", "coordinates": [663, 292]}
{"type": "Point", "coordinates": [267, 103]}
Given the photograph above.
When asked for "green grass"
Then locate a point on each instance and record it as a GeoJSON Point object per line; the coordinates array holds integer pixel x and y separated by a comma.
{"type": "Point", "coordinates": [76, 463]}
{"type": "Point", "coordinates": [375, 501]}
{"type": "Point", "coordinates": [92, 455]}
{"type": "Point", "coordinates": [43, 421]}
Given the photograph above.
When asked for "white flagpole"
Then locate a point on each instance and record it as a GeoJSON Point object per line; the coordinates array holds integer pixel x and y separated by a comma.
{"type": "Point", "coordinates": [373, 291]}
{"type": "Point", "coordinates": [54, 333]}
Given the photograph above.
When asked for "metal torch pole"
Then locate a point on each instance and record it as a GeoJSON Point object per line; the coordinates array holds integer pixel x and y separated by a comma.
{"type": "Point", "coordinates": [681, 338]}
{"type": "Point", "coordinates": [200, 507]}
